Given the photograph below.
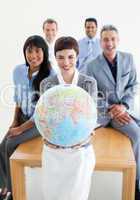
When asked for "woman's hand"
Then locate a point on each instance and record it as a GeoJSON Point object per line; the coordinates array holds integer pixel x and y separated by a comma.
{"type": "Point", "coordinates": [14, 124]}
{"type": "Point", "coordinates": [14, 131]}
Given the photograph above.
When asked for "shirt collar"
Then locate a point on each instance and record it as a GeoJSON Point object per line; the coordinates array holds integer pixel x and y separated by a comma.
{"type": "Point", "coordinates": [33, 74]}
{"type": "Point", "coordinates": [74, 81]}
{"type": "Point", "coordinates": [51, 44]}
{"type": "Point", "coordinates": [90, 39]}
{"type": "Point", "coordinates": [114, 61]}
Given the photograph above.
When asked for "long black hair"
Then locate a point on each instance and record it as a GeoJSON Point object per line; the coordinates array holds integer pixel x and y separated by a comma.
{"type": "Point", "coordinates": [45, 67]}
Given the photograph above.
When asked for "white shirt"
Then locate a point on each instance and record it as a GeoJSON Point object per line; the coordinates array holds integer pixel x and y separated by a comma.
{"type": "Point", "coordinates": [52, 56]}
{"type": "Point", "coordinates": [85, 56]}
{"type": "Point", "coordinates": [74, 80]}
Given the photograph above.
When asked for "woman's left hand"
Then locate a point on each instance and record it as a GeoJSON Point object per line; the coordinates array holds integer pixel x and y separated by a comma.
{"type": "Point", "coordinates": [14, 132]}
{"type": "Point", "coordinates": [20, 129]}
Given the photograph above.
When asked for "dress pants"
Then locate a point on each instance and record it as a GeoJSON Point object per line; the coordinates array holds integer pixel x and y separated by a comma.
{"type": "Point", "coordinates": [7, 147]}
{"type": "Point", "coordinates": [132, 130]}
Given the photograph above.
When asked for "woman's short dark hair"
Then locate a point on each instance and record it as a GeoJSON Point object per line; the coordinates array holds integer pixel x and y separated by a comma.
{"type": "Point", "coordinates": [44, 70]}
{"type": "Point", "coordinates": [66, 43]}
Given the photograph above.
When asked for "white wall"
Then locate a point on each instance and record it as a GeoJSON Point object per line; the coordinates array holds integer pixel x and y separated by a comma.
{"type": "Point", "coordinates": [20, 19]}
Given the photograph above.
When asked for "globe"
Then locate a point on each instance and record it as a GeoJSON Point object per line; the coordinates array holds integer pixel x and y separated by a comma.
{"type": "Point", "coordinates": [65, 115]}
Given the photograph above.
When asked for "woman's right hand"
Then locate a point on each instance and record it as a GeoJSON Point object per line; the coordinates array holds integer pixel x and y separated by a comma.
{"type": "Point", "coordinates": [13, 125]}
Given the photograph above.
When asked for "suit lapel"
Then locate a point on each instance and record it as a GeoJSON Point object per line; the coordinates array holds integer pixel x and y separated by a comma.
{"type": "Point", "coordinates": [80, 81]}
{"type": "Point", "coordinates": [106, 69]}
{"type": "Point", "coordinates": [56, 81]}
{"type": "Point", "coordinates": [119, 68]}
{"type": "Point", "coordinates": [53, 81]}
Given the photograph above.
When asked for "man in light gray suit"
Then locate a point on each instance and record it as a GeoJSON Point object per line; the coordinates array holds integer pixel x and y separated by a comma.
{"type": "Point", "coordinates": [116, 81]}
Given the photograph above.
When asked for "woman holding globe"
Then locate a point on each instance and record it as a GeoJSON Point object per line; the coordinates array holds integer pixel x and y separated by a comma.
{"type": "Point", "coordinates": [27, 78]}
{"type": "Point", "coordinates": [68, 158]}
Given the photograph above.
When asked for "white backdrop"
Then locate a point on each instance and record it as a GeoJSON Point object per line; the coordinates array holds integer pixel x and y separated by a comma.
{"type": "Point", "coordinates": [20, 19]}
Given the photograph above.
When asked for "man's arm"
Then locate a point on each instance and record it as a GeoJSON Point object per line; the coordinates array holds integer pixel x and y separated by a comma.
{"type": "Point", "coordinates": [132, 86]}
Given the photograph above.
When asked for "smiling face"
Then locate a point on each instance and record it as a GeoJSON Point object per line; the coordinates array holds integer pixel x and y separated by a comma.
{"type": "Point", "coordinates": [50, 31]}
{"type": "Point", "coordinates": [34, 57]}
{"type": "Point", "coordinates": [90, 29]}
{"type": "Point", "coordinates": [66, 60]}
{"type": "Point", "coordinates": [109, 42]}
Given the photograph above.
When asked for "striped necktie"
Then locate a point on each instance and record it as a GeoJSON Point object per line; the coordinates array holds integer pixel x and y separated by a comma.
{"type": "Point", "coordinates": [90, 49]}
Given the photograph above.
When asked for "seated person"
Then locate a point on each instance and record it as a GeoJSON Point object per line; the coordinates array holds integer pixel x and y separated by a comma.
{"type": "Point", "coordinates": [73, 180]}
{"type": "Point", "coordinates": [116, 78]}
{"type": "Point", "coordinates": [27, 78]}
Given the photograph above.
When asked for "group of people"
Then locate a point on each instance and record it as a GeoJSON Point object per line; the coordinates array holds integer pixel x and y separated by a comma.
{"type": "Point", "coordinates": [94, 65]}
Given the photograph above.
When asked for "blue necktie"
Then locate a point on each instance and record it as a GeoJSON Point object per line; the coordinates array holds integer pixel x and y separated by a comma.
{"type": "Point", "coordinates": [90, 49]}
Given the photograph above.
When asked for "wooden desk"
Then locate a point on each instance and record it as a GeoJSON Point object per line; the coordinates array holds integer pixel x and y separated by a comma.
{"type": "Point", "coordinates": [113, 152]}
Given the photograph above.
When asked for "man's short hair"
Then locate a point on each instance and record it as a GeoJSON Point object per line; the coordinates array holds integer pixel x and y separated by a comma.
{"type": "Point", "coordinates": [108, 27]}
{"type": "Point", "coordinates": [49, 21]}
{"type": "Point", "coordinates": [91, 20]}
